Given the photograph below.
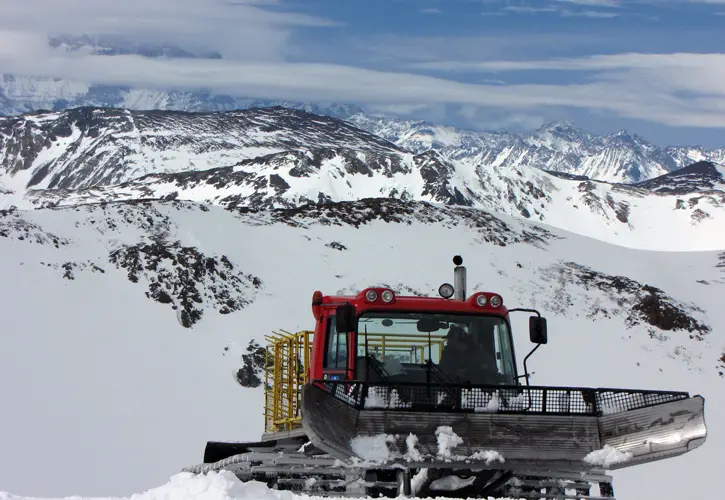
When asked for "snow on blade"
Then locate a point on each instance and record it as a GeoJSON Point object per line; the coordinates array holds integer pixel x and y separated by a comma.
{"type": "Point", "coordinates": [447, 440]}
{"type": "Point", "coordinates": [607, 456]}
{"type": "Point", "coordinates": [373, 448]}
{"type": "Point", "coordinates": [412, 453]}
{"type": "Point", "coordinates": [489, 456]}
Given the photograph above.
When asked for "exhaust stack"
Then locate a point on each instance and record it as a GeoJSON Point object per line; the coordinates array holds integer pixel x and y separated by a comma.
{"type": "Point", "coordinates": [459, 279]}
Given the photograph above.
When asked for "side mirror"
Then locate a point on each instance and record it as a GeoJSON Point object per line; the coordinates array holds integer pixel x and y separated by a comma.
{"type": "Point", "coordinates": [345, 318]}
{"type": "Point", "coordinates": [537, 330]}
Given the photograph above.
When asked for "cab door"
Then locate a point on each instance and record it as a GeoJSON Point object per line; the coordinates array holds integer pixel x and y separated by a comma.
{"type": "Point", "coordinates": [336, 358]}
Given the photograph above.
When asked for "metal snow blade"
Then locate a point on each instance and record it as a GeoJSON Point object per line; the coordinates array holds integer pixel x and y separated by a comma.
{"type": "Point", "coordinates": [533, 428]}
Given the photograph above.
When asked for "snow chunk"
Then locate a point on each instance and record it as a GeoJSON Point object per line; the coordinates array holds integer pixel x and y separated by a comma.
{"type": "Point", "coordinates": [381, 397]}
{"type": "Point", "coordinates": [491, 407]}
{"type": "Point", "coordinates": [374, 448]}
{"type": "Point", "coordinates": [412, 452]}
{"type": "Point", "coordinates": [489, 456]}
{"type": "Point", "coordinates": [447, 440]}
{"type": "Point", "coordinates": [375, 398]}
{"type": "Point", "coordinates": [607, 456]}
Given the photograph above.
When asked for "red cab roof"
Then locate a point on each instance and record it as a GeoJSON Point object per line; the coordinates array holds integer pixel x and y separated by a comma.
{"type": "Point", "coordinates": [385, 299]}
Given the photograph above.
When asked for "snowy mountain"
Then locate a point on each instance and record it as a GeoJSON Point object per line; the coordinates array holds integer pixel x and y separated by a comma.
{"type": "Point", "coordinates": [22, 94]}
{"type": "Point", "coordinates": [557, 146]}
{"type": "Point", "coordinates": [277, 157]}
{"type": "Point", "coordinates": [124, 324]}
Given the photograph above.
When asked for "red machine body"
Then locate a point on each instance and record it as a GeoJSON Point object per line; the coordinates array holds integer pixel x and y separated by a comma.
{"type": "Point", "coordinates": [324, 309]}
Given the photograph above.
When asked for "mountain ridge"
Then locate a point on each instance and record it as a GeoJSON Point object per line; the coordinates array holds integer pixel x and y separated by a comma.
{"type": "Point", "coordinates": [281, 158]}
{"type": "Point", "coordinates": [620, 157]}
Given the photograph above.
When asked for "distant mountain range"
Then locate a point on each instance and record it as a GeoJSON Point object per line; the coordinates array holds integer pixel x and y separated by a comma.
{"type": "Point", "coordinates": [558, 146]}
{"type": "Point", "coordinates": [263, 158]}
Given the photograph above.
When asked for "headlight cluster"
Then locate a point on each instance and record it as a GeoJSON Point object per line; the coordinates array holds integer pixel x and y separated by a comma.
{"type": "Point", "coordinates": [387, 296]}
{"type": "Point", "coordinates": [492, 300]}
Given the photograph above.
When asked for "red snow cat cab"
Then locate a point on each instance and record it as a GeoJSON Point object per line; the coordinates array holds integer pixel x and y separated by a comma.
{"type": "Point", "coordinates": [421, 396]}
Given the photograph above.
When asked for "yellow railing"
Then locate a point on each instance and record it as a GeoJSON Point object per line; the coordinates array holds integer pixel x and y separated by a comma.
{"type": "Point", "coordinates": [288, 357]}
{"type": "Point", "coordinates": [286, 363]}
{"type": "Point", "coordinates": [413, 346]}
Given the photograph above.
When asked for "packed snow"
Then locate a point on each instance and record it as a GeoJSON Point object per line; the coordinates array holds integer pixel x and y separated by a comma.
{"type": "Point", "coordinates": [447, 441]}
{"type": "Point", "coordinates": [607, 456]}
{"type": "Point", "coordinates": [107, 394]}
{"type": "Point", "coordinates": [372, 448]}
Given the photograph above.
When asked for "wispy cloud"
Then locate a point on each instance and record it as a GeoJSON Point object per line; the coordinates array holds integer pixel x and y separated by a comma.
{"type": "Point", "coordinates": [430, 10]}
{"type": "Point", "coordinates": [594, 3]}
{"type": "Point", "coordinates": [581, 8]}
{"type": "Point", "coordinates": [659, 88]}
{"type": "Point", "coordinates": [256, 36]}
{"type": "Point", "coordinates": [246, 29]}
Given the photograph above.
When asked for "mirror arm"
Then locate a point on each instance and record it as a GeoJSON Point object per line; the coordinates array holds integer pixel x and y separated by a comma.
{"type": "Point", "coordinates": [526, 371]}
{"type": "Point", "coordinates": [525, 310]}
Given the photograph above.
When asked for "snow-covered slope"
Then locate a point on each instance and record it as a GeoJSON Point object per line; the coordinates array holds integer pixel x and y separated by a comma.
{"type": "Point", "coordinates": [277, 157]}
{"type": "Point", "coordinates": [106, 392]}
{"type": "Point", "coordinates": [85, 147]}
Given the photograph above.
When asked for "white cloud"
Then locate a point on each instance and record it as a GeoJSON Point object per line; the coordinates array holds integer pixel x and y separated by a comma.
{"type": "Point", "coordinates": [674, 89]}
{"type": "Point", "coordinates": [589, 13]}
{"type": "Point", "coordinates": [594, 3]}
{"type": "Point", "coordinates": [244, 29]}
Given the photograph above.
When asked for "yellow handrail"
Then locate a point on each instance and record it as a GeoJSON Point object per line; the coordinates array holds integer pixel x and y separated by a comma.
{"type": "Point", "coordinates": [287, 360]}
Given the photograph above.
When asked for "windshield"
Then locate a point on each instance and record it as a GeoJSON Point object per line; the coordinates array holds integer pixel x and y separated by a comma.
{"type": "Point", "coordinates": [435, 347]}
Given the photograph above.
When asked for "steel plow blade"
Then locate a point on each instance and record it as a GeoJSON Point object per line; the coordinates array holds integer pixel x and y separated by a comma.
{"type": "Point", "coordinates": [639, 428]}
{"type": "Point", "coordinates": [656, 432]}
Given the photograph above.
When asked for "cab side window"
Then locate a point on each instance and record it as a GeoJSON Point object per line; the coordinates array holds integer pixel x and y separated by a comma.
{"type": "Point", "coordinates": [336, 347]}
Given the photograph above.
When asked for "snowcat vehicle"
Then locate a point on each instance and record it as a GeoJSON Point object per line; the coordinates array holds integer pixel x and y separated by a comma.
{"type": "Point", "coordinates": [420, 396]}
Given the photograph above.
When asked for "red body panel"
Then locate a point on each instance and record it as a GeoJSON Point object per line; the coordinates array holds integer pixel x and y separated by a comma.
{"type": "Point", "coordinates": [323, 307]}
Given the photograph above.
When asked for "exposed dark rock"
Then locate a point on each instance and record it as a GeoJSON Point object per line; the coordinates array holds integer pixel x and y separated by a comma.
{"type": "Point", "coordinates": [565, 175]}
{"type": "Point", "coordinates": [621, 209]}
{"type": "Point", "coordinates": [69, 268]}
{"type": "Point", "coordinates": [640, 303]}
{"type": "Point", "coordinates": [253, 364]}
{"type": "Point", "coordinates": [187, 279]}
{"type": "Point", "coordinates": [336, 246]}
{"type": "Point", "coordinates": [278, 183]}
{"type": "Point", "coordinates": [357, 213]}
{"type": "Point", "coordinates": [13, 226]}
{"type": "Point", "coordinates": [700, 176]}
{"type": "Point", "coordinates": [653, 306]}
{"type": "Point", "coordinates": [437, 172]}
{"type": "Point", "coordinates": [698, 215]}
{"type": "Point", "coordinates": [721, 366]}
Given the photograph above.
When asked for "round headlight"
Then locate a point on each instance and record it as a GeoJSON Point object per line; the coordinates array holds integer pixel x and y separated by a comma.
{"type": "Point", "coordinates": [481, 300]}
{"type": "Point", "coordinates": [371, 296]}
{"type": "Point", "coordinates": [445, 291]}
{"type": "Point", "coordinates": [496, 301]}
{"type": "Point", "coordinates": [387, 296]}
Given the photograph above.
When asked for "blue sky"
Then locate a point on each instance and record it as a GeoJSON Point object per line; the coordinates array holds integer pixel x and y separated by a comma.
{"type": "Point", "coordinates": [655, 68]}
